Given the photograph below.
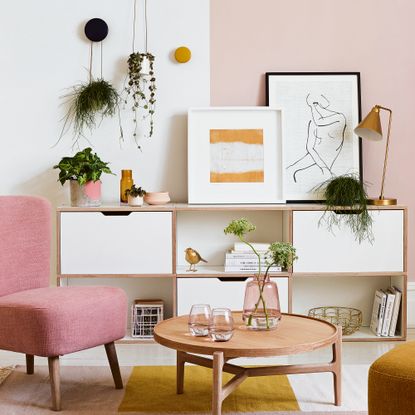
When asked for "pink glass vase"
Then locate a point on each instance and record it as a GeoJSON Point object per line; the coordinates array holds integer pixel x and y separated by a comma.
{"type": "Point", "coordinates": [261, 305]}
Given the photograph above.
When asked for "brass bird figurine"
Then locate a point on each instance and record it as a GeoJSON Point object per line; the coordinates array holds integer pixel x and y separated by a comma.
{"type": "Point", "coordinates": [193, 257]}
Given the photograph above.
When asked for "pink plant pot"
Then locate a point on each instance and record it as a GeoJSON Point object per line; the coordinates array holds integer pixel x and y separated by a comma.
{"type": "Point", "coordinates": [87, 195]}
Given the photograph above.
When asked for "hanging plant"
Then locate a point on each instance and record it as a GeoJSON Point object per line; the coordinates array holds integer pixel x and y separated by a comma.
{"type": "Point", "coordinates": [142, 90]}
{"type": "Point", "coordinates": [141, 82]}
{"type": "Point", "coordinates": [346, 203]}
{"type": "Point", "coordinates": [88, 104]}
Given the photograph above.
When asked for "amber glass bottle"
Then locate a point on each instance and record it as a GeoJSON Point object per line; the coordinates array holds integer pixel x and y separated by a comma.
{"type": "Point", "coordinates": [125, 184]}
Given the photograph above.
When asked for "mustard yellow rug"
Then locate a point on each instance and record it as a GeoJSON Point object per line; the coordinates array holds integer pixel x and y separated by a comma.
{"type": "Point", "coordinates": [152, 389]}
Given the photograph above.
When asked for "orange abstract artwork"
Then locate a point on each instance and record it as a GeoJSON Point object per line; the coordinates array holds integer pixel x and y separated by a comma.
{"type": "Point", "coordinates": [237, 156]}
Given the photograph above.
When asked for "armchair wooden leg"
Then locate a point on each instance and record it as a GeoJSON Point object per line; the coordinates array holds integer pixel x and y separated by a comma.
{"type": "Point", "coordinates": [30, 364]}
{"type": "Point", "coordinates": [113, 361]}
{"type": "Point", "coordinates": [55, 382]}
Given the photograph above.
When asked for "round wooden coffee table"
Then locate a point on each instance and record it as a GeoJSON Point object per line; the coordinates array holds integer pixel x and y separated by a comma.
{"type": "Point", "coordinates": [295, 334]}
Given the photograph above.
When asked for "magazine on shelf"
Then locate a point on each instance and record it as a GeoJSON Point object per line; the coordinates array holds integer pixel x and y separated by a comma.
{"type": "Point", "coordinates": [250, 269]}
{"type": "Point", "coordinates": [390, 300]}
{"type": "Point", "coordinates": [258, 246]}
{"type": "Point", "coordinates": [395, 311]}
{"type": "Point", "coordinates": [378, 312]}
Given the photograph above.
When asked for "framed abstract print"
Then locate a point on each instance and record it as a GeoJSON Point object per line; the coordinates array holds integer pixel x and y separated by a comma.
{"type": "Point", "coordinates": [321, 111]}
{"type": "Point", "coordinates": [235, 155]}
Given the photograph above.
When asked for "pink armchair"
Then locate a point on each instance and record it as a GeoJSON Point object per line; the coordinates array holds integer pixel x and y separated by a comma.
{"type": "Point", "coordinates": [39, 320]}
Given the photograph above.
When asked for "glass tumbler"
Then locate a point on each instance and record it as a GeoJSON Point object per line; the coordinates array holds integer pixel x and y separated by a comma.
{"type": "Point", "coordinates": [199, 319]}
{"type": "Point", "coordinates": [221, 325]}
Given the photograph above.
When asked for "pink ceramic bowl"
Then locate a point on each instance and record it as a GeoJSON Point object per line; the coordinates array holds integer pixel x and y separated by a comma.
{"type": "Point", "coordinates": [157, 198]}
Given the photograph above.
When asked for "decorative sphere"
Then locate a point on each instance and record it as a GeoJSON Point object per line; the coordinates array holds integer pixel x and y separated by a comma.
{"type": "Point", "coordinates": [183, 54]}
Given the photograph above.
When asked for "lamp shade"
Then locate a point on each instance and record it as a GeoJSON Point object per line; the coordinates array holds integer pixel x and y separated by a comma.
{"type": "Point", "coordinates": [370, 128]}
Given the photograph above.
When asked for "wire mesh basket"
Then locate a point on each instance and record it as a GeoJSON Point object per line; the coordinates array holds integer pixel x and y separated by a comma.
{"type": "Point", "coordinates": [350, 319]}
{"type": "Point", "coordinates": [145, 316]}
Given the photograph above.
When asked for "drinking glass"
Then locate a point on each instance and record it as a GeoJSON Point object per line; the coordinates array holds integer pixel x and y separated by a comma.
{"type": "Point", "coordinates": [221, 325]}
{"type": "Point", "coordinates": [199, 319]}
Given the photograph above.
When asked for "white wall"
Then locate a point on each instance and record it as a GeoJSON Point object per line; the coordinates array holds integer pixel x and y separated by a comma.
{"type": "Point", "coordinates": [44, 51]}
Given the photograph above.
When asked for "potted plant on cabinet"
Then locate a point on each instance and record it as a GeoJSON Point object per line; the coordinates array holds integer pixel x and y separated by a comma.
{"type": "Point", "coordinates": [346, 203]}
{"type": "Point", "coordinates": [261, 304]}
{"type": "Point", "coordinates": [84, 171]}
{"type": "Point", "coordinates": [135, 195]}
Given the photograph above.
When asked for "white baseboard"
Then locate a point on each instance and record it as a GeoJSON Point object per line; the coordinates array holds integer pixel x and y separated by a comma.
{"type": "Point", "coordinates": [411, 304]}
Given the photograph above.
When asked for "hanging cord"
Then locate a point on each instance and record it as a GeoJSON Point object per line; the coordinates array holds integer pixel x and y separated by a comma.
{"type": "Point", "coordinates": [102, 56]}
{"type": "Point", "coordinates": [145, 26]}
{"type": "Point", "coordinates": [90, 62]}
{"type": "Point", "coordinates": [134, 23]}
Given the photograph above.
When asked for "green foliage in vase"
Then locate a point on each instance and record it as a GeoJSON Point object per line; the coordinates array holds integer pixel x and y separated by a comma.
{"type": "Point", "coordinates": [88, 104]}
{"type": "Point", "coordinates": [282, 254]}
{"type": "Point", "coordinates": [135, 191]}
{"type": "Point", "coordinates": [346, 203]}
{"type": "Point", "coordinates": [279, 253]}
{"type": "Point", "coordinates": [141, 90]}
{"type": "Point", "coordinates": [83, 167]}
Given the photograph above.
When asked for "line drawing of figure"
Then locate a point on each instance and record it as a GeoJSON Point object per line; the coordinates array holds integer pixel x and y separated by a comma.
{"type": "Point", "coordinates": [326, 130]}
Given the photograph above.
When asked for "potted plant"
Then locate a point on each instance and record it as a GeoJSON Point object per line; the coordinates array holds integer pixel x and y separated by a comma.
{"type": "Point", "coordinates": [346, 203]}
{"type": "Point", "coordinates": [141, 90]}
{"type": "Point", "coordinates": [261, 303]}
{"type": "Point", "coordinates": [88, 103]}
{"type": "Point", "coordinates": [135, 195]}
{"type": "Point", "coordinates": [84, 171]}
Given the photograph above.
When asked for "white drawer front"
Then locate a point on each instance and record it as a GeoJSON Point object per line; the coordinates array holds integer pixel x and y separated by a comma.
{"type": "Point", "coordinates": [320, 250]}
{"type": "Point", "coordinates": [92, 243]}
{"type": "Point", "coordinates": [217, 293]}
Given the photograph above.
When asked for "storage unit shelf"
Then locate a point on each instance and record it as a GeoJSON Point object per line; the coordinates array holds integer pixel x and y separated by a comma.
{"type": "Point", "coordinates": [365, 334]}
{"type": "Point", "coordinates": [133, 340]}
{"type": "Point", "coordinates": [219, 271]}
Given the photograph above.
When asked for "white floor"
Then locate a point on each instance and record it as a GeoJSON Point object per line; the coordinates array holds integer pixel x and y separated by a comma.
{"type": "Point", "coordinates": [354, 353]}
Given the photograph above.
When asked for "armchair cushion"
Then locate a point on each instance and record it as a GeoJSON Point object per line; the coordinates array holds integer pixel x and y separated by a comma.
{"type": "Point", "coordinates": [60, 320]}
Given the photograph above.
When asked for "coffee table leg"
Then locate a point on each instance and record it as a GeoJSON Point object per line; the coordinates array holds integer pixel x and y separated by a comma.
{"type": "Point", "coordinates": [218, 362]}
{"type": "Point", "coordinates": [180, 362]}
{"type": "Point", "coordinates": [337, 372]}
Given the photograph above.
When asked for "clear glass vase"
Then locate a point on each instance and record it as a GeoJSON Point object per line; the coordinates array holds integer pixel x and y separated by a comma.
{"type": "Point", "coordinates": [261, 305]}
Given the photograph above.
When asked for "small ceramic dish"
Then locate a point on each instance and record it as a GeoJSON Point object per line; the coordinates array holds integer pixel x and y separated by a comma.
{"type": "Point", "coordinates": [157, 198]}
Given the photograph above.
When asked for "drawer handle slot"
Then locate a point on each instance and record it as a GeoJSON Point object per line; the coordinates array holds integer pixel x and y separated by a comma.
{"type": "Point", "coordinates": [347, 212]}
{"type": "Point", "coordinates": [116, 213]}
{"type": "Point", "coordinates": [231, 279]}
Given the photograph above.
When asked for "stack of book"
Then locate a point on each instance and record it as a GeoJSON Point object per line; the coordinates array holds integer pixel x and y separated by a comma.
{"type": "Point", "coordinates": [242, 259]}
{"type": "Point", "coordinates": [385, 312]}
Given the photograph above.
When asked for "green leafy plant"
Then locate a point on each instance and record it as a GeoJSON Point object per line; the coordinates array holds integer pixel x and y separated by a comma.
{"type": "Point", "coordinates": [141, 90]}
{"type": "Point", "coordinates": [135, 191]}
{"type": "Point", "coordinates": [83, 167]}
{"type": "Point", "coordinates": [281, 254]}
{"type": "Point", "coordinates": [87, 103]}
{"type": "Point", "coordinates": [346, 203]}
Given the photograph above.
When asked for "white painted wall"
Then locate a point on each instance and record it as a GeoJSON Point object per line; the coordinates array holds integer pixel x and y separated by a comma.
{"type": "Point", "coordinates": [44, 51]}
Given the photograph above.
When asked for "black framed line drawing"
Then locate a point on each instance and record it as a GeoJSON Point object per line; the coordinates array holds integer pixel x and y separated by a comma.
{"type": "Point", "coordinates": [321, 110]}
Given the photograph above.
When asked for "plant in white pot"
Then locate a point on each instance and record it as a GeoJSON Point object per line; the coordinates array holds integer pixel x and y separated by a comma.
{"type": "Point", "coordinates": [84, 171]}
{"type": "Point", "coordinates": [135, 195]}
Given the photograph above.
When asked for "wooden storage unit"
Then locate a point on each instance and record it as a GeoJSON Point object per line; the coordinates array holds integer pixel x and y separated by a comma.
{"type": "Point", "coordinates": [141, 250]}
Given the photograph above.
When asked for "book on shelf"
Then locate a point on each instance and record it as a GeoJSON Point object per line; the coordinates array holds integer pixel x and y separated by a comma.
{"type": "Point", "coordinates": [385, 312]}
{"type": "Point", "coordinates": [250, 269]}
{"type": "Point", "coordinates": [258, 246]}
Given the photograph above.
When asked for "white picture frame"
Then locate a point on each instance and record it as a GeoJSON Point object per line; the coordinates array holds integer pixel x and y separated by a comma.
{"type": "Point", "coordinates": [321, 110]}
{"type": "Point", "coordinates": [235, 155]}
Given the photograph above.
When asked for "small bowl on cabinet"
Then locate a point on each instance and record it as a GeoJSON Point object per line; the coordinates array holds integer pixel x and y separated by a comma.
{"type": "Point", "coordinates": [157, 198]}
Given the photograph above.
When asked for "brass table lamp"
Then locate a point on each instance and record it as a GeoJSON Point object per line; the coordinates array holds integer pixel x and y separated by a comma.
{"type": "Point", "coordinates": [371, 128]}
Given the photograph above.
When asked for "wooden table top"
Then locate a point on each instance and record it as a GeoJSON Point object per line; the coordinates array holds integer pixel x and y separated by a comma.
{"type": "Point", "coordinates": [294, 334]}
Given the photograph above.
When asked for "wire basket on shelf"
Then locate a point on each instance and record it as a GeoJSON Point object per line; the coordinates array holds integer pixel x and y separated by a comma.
{"type": "Point", "coordinates": [145, 316]}
{"type": "Point", "coordinates": [350, 319]}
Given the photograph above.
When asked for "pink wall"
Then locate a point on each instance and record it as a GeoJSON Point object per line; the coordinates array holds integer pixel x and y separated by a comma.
{"type": "Point", "coordinates": [374, 37]}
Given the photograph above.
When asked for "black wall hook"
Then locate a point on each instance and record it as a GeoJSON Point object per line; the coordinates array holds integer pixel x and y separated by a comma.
{"type": "Point", "coordinates": [96, 30]}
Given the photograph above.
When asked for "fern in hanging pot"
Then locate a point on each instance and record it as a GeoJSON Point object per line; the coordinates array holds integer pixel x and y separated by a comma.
{"type": "Point", "coordinates": [346, 204]}
{"type": "Point", "coordinates": [141, 90]}
{"type": "Point", "coordinates": [88, 104]}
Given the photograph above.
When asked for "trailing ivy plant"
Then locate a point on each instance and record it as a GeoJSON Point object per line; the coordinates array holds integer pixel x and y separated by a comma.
{"type": "Point", "coordinates": [141, 90]}
{"type": "Point", "coordinates": [88, 104]}
{"type": "Point", "coordinates": [346, 203]}
{"type": "Point", "coordinates": [83, 167]}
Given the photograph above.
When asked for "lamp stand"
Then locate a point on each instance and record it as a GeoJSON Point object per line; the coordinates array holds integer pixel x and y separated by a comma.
{"type": "Point", "coordinates": [382, 200]}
